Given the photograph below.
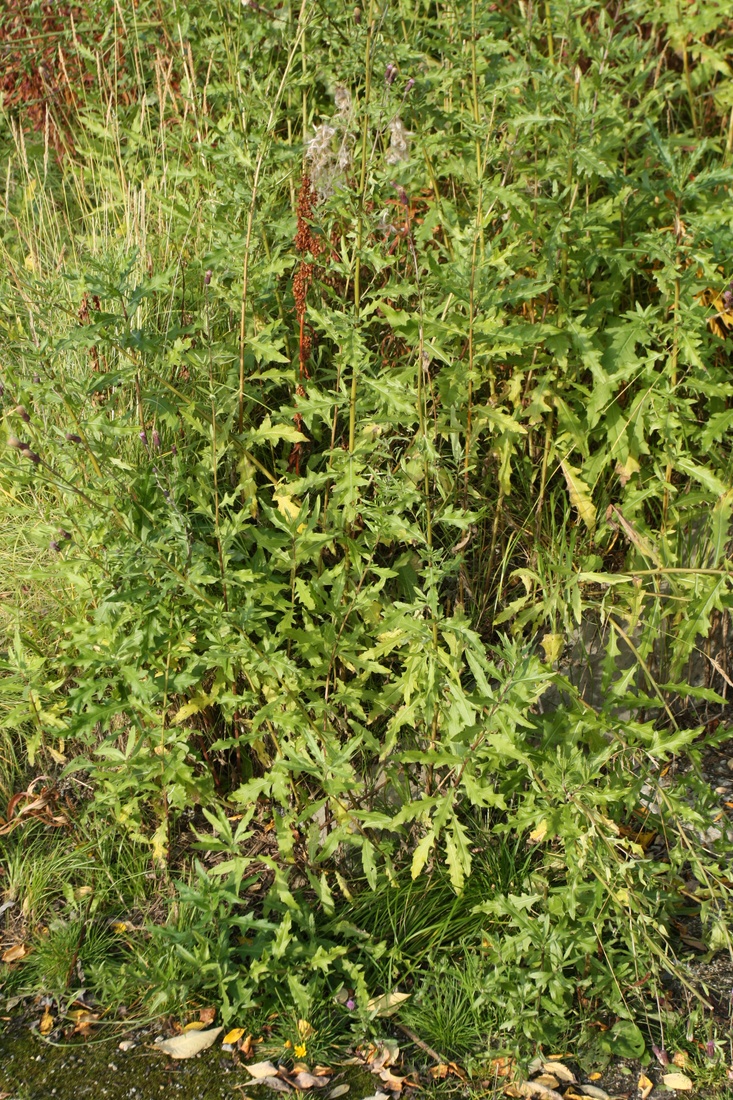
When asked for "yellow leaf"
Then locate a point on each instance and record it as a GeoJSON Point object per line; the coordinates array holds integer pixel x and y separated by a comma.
{"type": "Point", "coordinates": [645, 1086]}
{"type": "Point", "coordinates": [681, 1059]}
{"type": "Point", "coordinates": [579, 495]}
{"type": "Point", "coordinates": [553, 646]}
{"type": "Point", "coordinates": [46, 1023]}
{"type": "Point", "coordinates": [287, 506]}
{"type": "Point", "coordinates": [387, 1003]}
{"type": "Point", "coordinates": [195, 1025]}
{"type": "Point", "coordinates": [538, 834]}
{"type": "Point", "coordinates": [234, 1035]}
{"type": "Point", "coordinates": [677, 1081]}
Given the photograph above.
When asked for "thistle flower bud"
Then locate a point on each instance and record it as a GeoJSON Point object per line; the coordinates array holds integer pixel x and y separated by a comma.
{"type": "Point", "coordinates": [53, 545]}
{"type": "Point", "coordinates": [710, 1048]}
{"type": "Point", "coordinates": [23, 413]}
{"type": "Point", "coordinates": [156, 439]}
{"type": "Point", "coordinates": [2, 390]}
{"type": "Point", "coordinates": [174, 449]}
{"type": "Point", "coordinates": [410, 85]}
{"type": "Point", "coordinates": [65, 535]}
{"type": "Point", "coordinates": [36, 378]}
{"type": "Point", "coordinates": [28, 453]}
{"type": "Point", "coordinates": [207, 276]}
{"type": "Point", "coordinates": [357, 16]}
{"type": "Point", "coordinates": [661, 1056]}
{"type": "Point", "coordinates": [144, 438]}
{"type": "Point", "coordinates": [390, 73]}
{"type": "Point", "coordinates": [72, 437]}
{"type": "Point", "coordinates": [15, 443]}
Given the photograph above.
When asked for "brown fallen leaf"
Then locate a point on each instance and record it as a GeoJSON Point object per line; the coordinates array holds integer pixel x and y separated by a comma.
{"type": "Point", "coordinates": [207, 1015]}
{"type": "Point", "coordinates": [195, 1025]}
{"type": "Point", "coordinates": [645, 1086]}
{"type": "Point", "coordinates": [275, 1083]}
{"type": "Point", "coordinates": [391, 1080]}
{"type": "Point", "coordinates": [439, 1072]}
{"type": "Point", "coordinates": [678, 1081]}
{"type": "Point", "coordinates": [502, 1066]}
{"type": "Point", "coordinates": [593, 1092]}
{"type": "Point", "coordinates": [305, 1080]}
{"type": "Point", "coordinates": [46, 1023]}
{"type": "Point", "coordinates": [322, 1071]}
{"type": "Point", "coordinates": [547, 1079]}
{"type": "Point", "coordinates": [339, 1090]}
{"type": "Point", "coordinates": [189, 1044]}
{"type": "Point", "coordinates": [681, 1059]}
{"type": "Point", "coordinates": [14, 953]}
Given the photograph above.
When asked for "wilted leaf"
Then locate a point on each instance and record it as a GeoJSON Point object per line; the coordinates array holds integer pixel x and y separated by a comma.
{"type": "Point", "coordinates": [234, 1035]}
{"type": "Point", "coordinates": [681, 1059]}
{"type": "Point", "coordinates": [207, 1015]}
{"type": "Point", "coordinates": [195, 1025]}
{"type": "Point", "coordinates": [535, 1092]}
{"type": "Point", "coordinates": [46, 1023]}
{"type": "Point", "coordinates": [538, 834]}
{"type": "Point", "coordinates": [594, 1092]}
{"type": "Point", "coordinates": [387, 1003]}
{"type": "Point", "coordinates": [340, 1090]}
{"type": "Point", "coordinates": [275, 1083]}
{"type": "Point", "coordinates": [579, 495]}
{"type": "Point", "coordinates": [502, 1066]}
{"type": "Point", "coordinates": [189, 1044]}
{"type": "Point", "coordinates": [553, 646]}
{"type": "Point", "coordinates": [557, 1069]}
{"type": "Point", "coordinates": [14, 953]}
{"type": "Point", "coordinates": [260, 1070]}
{"type": "Point", "coordinates": [645, 1086]}
{"type": "Point", "coordinates": [547, 1079]}
{"type": "Point", "coordinates": [679, 1081]}
{"type": "Point", "coordinates": [308, 1081]}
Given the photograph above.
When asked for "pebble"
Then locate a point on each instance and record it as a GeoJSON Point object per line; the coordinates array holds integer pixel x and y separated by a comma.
{"type": "Point", "coordinates": [722, 789]}
{"type": "Point", "coordinates": [127, 1044]}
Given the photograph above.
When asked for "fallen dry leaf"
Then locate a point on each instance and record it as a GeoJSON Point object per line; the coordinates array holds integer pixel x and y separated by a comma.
{"type": "Point", "coordinates": [189, 1044]}
{"type": "Point", "coordinates": [305, 1080]}
{"type": "Point", "coordinates": [260, 1070]}
{"type": "Point", "coordinates": [387, 1003]}
{"type": "Point", "coordinates": [645, 1086]}
{"type": "Point", "coordinates": [207, 1015]}
{"type": "Point", "coordinates": [547, 1079]}
{"type": "Point", "coordinates": [503, 1067]}
{"type": "Point", "coordinates": [275, 1083]}
{"type": "Point", "coordinates": [17, 951]}
{"type": "Point", "coordinates": [46, 1023]}
{"type": "Point", "coordinates": [557, 1069]}
{"type": "Point", "coordinates": [195, 1025]}
{"type": "Point", "coordinates": [439, 1072]}
{"type": "Point", "coordinates": [391, 1080]}
{"type": "Point", "coordinates": [322, 1071]}
{"type": "Point", "coordinates": [681, 1059]}
{"type": "Point", "coordinates": [678, 1081]}
{"type": "Point", "coordinates": [534, 1092]}
{"type": "Point", "coordinates": [234, 1035]}
{"type": "Point", "coordinates": [340, 1090]}
{"type": "Point", "coordinates": [593, 1092]}
{"type": "Point", "coordinates": [595, 1076]}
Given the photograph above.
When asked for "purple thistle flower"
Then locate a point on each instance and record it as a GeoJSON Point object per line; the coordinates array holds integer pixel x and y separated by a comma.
{"type": "Point", "coordinates": [156, 439]}
{"type": "Point", "coordinates": [390, 73]}
{"type": "Point", "coordinates": [65, 535]}
{"type": "Point", "coordinates": [710, 1048]}
{"type": "Point", "coordinates": [410, 85]}
{"type": "Point", "coordinates": [23, 413]}
{"type": "Point", "coordinates": [28, 453]}
{"type": "Point", "coordinates": [72, 437]}
{"type": "Point", "coordinates": [174, 449]}
{"type": "Point", "coordinates": [53, 545]}
{"type": "Point", "coordinates": [36, 378]}
{"type": "Point", "coordinates": [351, 1004]}
{"type": "Point", "coordinates": [16, 443]}
{"type": "Point", "coordinates": [144, 437]}
{"type": "Point", "coordinates": [207, 276]}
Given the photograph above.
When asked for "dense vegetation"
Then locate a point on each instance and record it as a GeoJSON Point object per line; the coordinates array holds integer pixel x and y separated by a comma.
{"type": "Point", "coordinates": [366, 487]}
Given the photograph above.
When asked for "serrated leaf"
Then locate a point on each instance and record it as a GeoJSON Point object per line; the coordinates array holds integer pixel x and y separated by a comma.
{"type": "Point", "coordinates": [579, 495]}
